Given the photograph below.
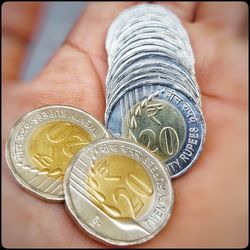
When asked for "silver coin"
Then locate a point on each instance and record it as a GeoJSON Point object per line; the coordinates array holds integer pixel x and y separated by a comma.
{"type": "Point", "coordinates": [114, 189]}
{"type": "Point", "coordinates": [148, 49]}
{"type": "Point", "coordinates": [42, 143]}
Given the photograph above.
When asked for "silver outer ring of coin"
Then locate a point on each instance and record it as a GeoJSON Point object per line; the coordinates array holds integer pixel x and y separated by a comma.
{"type": "Point", "coordinates": [123, 104]}
{"type": "Point", "coordinates": [169, 195]}
{"type": "Point", "coordinates": [101, 132]}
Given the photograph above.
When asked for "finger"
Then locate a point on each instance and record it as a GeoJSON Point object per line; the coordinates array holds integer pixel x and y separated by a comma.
{"type": "Point", "coordinates": [18, 23]}
{"type": "Point", "coordinates": [79, 67]}
{"type": "Point", "coordinates": [232, 16]}
{"type": "Point", "coordinates": [89, 34]}
{"type": "Point", "coordinates": [184, 10]}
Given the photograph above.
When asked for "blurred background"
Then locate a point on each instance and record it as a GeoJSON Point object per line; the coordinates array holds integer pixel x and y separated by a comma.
{"type": "Point", "coordinates": [54, 21]}
{"type": "Point", "coordinates": [57, 19]}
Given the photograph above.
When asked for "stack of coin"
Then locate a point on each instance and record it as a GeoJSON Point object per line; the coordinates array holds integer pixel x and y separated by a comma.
{"type": "Point", "coordinates": [152, 96]}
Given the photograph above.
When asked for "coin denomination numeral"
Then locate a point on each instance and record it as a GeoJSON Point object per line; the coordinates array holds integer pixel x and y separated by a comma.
{"type": "Point", "coordinates": [149, 136]}
{"type": "Point", "coordinates": [138, 186]}
{"type": "Point", "coordinates": [135, 205]}
{"type": "Point", "coordinates": [59, 132]}
{"type": "Point", "coordinates": [168, 140]}
{"type": "Point", "coordinates": [64, 132]}
{"type": "Point", "coordinates": [130, 191]}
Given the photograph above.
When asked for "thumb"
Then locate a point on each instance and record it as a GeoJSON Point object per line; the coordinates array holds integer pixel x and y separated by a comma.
{"type": "Point", "coordinates": [18, 23]}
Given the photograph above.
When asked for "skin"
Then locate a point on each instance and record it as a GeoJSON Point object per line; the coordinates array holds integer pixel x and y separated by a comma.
{"type": "Point", "coordinates": [211, 200]}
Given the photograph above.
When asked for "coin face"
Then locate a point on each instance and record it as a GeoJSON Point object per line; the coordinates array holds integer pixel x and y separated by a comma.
{"type": "Point", "coordinates": [42, 143]}
{"type": "Point", "coordinates": [118, 192]}
{"type": "Point", "coordinates": [160, 126]}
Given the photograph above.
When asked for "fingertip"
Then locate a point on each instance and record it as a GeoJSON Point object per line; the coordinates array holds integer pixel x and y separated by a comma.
{"type": "Point", "coordinates": [184, 10]}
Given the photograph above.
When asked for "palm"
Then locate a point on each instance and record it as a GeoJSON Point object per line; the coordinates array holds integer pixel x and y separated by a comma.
{"type": "Point", "coordinates": [210, 200]}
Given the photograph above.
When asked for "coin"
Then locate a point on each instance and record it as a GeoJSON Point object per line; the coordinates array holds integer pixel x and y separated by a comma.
{"type": "Point", "coordinates": [175, 131]}
{"type": "Point", "coordinates": [42, 143]}
{"type": "Point", "coordinates": [118, 192]}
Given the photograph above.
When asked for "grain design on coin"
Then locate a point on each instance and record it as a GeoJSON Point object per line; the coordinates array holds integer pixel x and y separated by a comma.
{"type": "Point", "coordinates": [120, 186]}
{"type": "Point", "coordinates": [176, 137]}
{"type": "Point", "coordinates": [118, 192]}
{"type": "Point", "coordinates": [156, 124]}
{"type": "Point", "coordinates": [42, 143]}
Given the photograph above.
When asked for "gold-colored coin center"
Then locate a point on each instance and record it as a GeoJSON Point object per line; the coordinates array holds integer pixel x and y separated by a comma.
{"type": "Point", "coordinates": [120, 187]}
{"type": "Point", "coordinates": [52, 145]}
{"type": "Point", "coordinates": [156, 124]}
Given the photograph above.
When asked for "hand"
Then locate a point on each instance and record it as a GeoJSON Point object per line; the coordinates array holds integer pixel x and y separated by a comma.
{"type": "Point", "coordinates": [210, 208]}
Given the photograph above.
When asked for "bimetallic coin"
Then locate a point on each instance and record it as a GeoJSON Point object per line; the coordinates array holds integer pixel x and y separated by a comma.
{"type": "Point", "coordinates": [42, 143]}
{"type": "Point", "coordinates": [165, 120]}
{"type": "Point", "coordinates": [118, 192]}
